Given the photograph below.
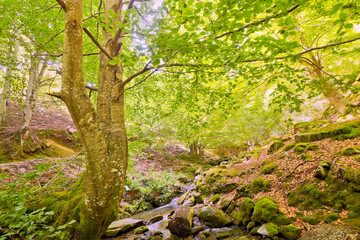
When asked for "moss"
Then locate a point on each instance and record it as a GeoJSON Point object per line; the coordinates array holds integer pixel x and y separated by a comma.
{"type": "Point", "coordinates": [282, 156]}
{"type": "Point", "coordinates": [243, 215]}
{"type": "Point", "coordinates": [268, 168]}
{"type": "Point", "coordinates": [306, 126]}
{"type": "Point", "coordinates": [254, 231]}
{"type": "Point", "coordinates": [323, 170]}
{"type": "Point", "coordinates": [349, 151]}
{"type": "Point", "coordinates": [289, 147]}
{"type": "Point", "coordinates": [312, 147]}
{"type": "Point", "coordinates": [231, 208]}
{"type": "Point", "coordinates": [265, 210]}
{"type": "Point", "coordinates": [331, 217]}
{"type": "Point", "coordinates": [350, 174]}
{"type": "Point", "coordinates": [275, 146]}
{"type": "Point", "coordinates": [215, 198]}
{"type": "Point", "coordinates": [250, 225]}
{"type": "Point", "coordinates": [280, 219]}
{"type": "Point", "coordinates": [290, 232]}
{"type": "Point", "coordinates": [300, 147]}
{"type": "Point", "coordinates": [259, 185]}
{"type": "Point", "coordinates": [313, 219]}
{"type": "Point", "coordinates": [272, 229]}
{"type": "Point", "coordinates": [306, 157]}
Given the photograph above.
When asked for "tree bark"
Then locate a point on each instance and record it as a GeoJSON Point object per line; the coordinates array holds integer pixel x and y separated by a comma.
{"type": "Point", "coordinates": [181, 222]}
{"type": "Point", "coordinates": [9, 74]}
{"type": "Point", "coordinates": [103, 132]}
{"type": "Point", "coordinates": [196, 150]}
{"type": "Point", "coordinates": [33, 87]}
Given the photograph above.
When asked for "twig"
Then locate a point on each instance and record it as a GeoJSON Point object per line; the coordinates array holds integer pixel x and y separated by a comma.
{"type": "Point", "coordinates": [67, 165]}
{"type": "Point", "coordinates": [292, 172]}
{"type": "Point", "coordinates": [97, 43]}
{"type": "Point", "coordinates": [62, 4]}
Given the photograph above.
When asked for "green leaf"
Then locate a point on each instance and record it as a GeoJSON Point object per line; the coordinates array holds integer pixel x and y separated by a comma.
{"type": "Point", "coordinates": [112, 62]}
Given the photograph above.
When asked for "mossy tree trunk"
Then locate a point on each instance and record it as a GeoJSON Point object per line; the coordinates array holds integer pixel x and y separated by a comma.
{"type": "Point", "coordinates": [196, 150]}
{"type": "Point", "coordinates": [103, 131]}
{"type": "Point", "coordinates": [332, 94]}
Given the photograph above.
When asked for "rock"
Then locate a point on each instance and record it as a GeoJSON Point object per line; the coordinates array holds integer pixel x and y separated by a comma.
{"type": "Point", "coordinates": [156, 219]}
{"type": "Point", "coordinates": [223, 235]}
{"type": "Point", "coordinates": [198, 199]}
{"type": "Point", "coordinates": [225, 202]}
{"type": "Point", "coordinates": [141, 230]}
{"type": "Point", "coordinates": [243, 216]}
{"type": "Point", "coordinates": [215, 198]}
{"type": "Point", "coordinates": [275, 146]}
{"type": "Point", "coordinates": [213, 217]}
{"type": "Point", "coordinates": [265, 210]}
{"type": "Point", "coordinates": [323, 169]}
{"type": "Point", "coordinates": [122, 226]}
{"type": "Point", "coordinates": [181, 222]}
{"type": "Point", "coordinates": [327, 232]}
{"type": "Point", "coordinates": [231, 208]}
{"type": "Point", "coordinates": [349, 151]}
{"type": "Point", "coordinates": [268, 229]}
{"type": "Point", "coordinates": [250, 225]}
{"type": "Point", "coordinates": [173, 237]}
{"type": "Point", "coordinates": [290, 232]}
{"type": "Point", "coordinates": [195, 230]}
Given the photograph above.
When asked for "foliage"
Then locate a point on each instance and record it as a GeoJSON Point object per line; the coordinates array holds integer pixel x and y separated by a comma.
{"type": "Point", "coordinates": [19, 219]}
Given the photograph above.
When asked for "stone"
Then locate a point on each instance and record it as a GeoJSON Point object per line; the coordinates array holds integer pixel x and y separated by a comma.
{"type": "Point", "coordinates": [181, 222]}
{"type": "Point", "coordinates": [275, 146]}
{"type": "Point", "coordinates": [268, 229]}
{"type": "Point", "coordinates": [141, 230]}
{"type": "Point", "coordinates": [195, 230]}
{"type": "Point", "coordinates": [213, 217]}
{"type": "Point", "coordinates": [156, 219]}
{"type": "Point", "coordinates": [243, 216]}
{"type": "Point", "coordinates": [265, 210]}
{"type": "Point", "coordinates": [122, 226]}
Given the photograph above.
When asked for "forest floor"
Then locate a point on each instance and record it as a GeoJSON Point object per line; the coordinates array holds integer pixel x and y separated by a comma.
{"type": "Point", "coordinates": [173, 157]}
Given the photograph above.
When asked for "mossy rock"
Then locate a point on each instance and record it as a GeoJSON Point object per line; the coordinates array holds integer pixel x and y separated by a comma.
{"type": "Point", "coordinates": [268, 168]}
{"type": "Point", "coordinates": [312, 147]}
{"type": "Point", "coordinates": [349, 151]}
{"type": "Point", "coordinates": [231, 208]}
{"type": "Point", "coordinates": [323, 170]}
{"type": "Point", "coordinates": [214, 199]}
{"type": "Point", "coordinates": [272, 229]}
{"type": "Point", "coordinates": [141, 230]}
{"type": "Point", "coordinates": [225, 203]}
{"type": "Point", "coordinates": [306, 157]}
{"type": "Point", "coordinates": [339, 131]}
{"type": "Point", "coordinates": [265, 210]}
{"type": "Point", "coordinates": [290, 232]}
{"type": "Point", "coordinates": [213, 217]}
{"type": "Point", "coordinates": [243, 215]}
{"type": "Point", "coordinates": [289, 147]}
{"type": "Point", "coordinates": [313, 219]}
{"type": "Point", "coordinates": [275, 146]}
{"type": "Point", "coordinates": [250, 226]}
{"type": "Point", "coordinates": [259, 185]}
{"type": "Point", "coordinates": [254, 231]}
{"type": "Point", "coordinates": [281, 219]}
{"type": "Point", "coordinates": [300, 147]}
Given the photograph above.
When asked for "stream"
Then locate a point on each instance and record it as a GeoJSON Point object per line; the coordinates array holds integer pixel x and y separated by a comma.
{"type": "Point", "coordinates": [233, 232]}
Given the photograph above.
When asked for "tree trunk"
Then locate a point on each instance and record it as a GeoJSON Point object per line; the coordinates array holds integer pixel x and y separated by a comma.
{"type": "Point", "coordinates": [103, 132]}
{"type": "Point", "coordinates": [33, 87]}
{"type": "Point", "coordinates": [9, 74]}
{"type": "Point", "coordinates": [196, 150]}
{"type": "Point", "coordinates": [332, 94]}
{"type": "Point", "coordinates": [181, 222]}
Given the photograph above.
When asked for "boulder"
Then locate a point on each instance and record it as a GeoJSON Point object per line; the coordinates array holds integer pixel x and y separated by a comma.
{"type": "Point", "coordinates": [265, 210]}
{"type": "Point", "coordinates": [349, 151]}
{"type": "Point", "coordinates": [322, 170]}
{"type": "Point", "coordinates": [243, 216]}
{"type": "Point", "coordinates": [122, 226]}
{"type": "Point", "coordinates": [181, 222]}
{"type": "Point", "coordinates": [213, 217]}
{"type": "Point", "coordinates": [275, 146]}
{"type": "Point", "coordinates": [156, 219]}
{"type": "Point", "coordinates": [268, 230]}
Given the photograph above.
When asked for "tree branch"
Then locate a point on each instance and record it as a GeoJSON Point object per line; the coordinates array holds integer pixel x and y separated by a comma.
{"type": "Point", "coordinates": [258, 22]}
{"type": "Point", "coordinates": [97, 43]}
{"type": "Point", "coordinates": [91, 88]}
{"type": "Point", "coordinates": [303, 52]}
{"type": "Point", "coordinates": [62, 4]}
{"type": "Point", "coordinates": [57, 95]}
{"type": "Point", "coordinates": [146, 68]}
